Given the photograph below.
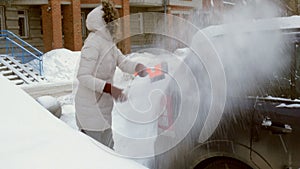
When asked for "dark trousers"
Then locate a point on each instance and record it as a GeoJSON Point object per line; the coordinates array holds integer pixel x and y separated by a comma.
{"type": "Point", "coordinates": [104, 137]}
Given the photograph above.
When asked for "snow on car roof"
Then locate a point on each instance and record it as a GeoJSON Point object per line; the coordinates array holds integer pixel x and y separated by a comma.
{"type": "Point", "coordinates": [279, 23]}
{"type": "Point", "coordinates": [31, 137]}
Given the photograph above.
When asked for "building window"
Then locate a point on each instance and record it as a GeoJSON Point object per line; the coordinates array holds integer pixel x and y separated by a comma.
{"type": "Point", "coordinates": [23, 23]}
{"type": "Point", "coordinates": [83, 25]}
{"type": "Point", "coordinates": [2, 19]}
{"type": "Point", "coordinates": [41, 23]}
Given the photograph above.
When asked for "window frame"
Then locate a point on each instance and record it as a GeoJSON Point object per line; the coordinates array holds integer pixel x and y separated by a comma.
{"type": "Point", "coordinates": [26, 22]}
{"type": "Point", "coordinates": [84, 31]}
{"type": "Point", "coordinates": [2, 18]}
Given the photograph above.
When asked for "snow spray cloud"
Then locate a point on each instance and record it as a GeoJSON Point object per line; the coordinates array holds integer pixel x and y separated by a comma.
{"type": "Point", "coordinates": [250, 46]}
{"type": "Point", "coordinates": [171, 105]}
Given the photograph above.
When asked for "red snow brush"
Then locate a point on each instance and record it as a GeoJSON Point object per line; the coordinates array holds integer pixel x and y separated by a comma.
{"type": "Point", "coordinates": [158, 72]}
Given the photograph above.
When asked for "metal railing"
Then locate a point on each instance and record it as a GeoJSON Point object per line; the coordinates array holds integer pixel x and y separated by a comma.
{"type": "Point", "coordinates": [14, 46]}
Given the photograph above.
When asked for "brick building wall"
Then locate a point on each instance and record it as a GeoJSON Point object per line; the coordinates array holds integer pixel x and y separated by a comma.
{"type": "Point", "coordinates": [62, 23]}
{"type": "Point", "coordinates": [52, 24]}
{"type": "Point", "coordinates": [72, 25]}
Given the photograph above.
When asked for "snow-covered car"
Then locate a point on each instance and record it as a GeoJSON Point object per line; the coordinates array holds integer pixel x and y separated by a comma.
{"type": "Point", "coordinates": [31, 137]}
{"type": "Point", "coordinates": [259, 127]}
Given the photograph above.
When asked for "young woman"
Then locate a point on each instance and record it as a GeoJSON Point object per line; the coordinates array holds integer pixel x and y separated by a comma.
{"type": "Point", "coordinates": [99, 58]}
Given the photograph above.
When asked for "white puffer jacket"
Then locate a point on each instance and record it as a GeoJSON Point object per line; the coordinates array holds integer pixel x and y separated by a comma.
{"type": "Point", "coordinates": [99, 58]}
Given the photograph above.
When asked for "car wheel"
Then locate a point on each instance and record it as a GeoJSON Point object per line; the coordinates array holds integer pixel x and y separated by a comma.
{"type": "Point", "coordinates": [222, 163]}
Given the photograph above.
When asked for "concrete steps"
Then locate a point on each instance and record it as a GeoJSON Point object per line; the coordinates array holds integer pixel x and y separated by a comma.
{"type": "Point", "coordinates": [19, 74]}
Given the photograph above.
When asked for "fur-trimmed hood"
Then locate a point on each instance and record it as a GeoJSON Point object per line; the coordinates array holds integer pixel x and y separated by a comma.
{"type": "Point", "coordinates": [95, 21]}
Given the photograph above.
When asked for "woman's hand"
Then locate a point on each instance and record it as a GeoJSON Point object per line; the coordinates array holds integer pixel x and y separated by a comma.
{"type": "Point", "coordinates": [115, 92]}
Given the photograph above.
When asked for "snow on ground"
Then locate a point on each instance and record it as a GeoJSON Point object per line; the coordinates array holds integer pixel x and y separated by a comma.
{"type": "Point", "coordinates": [33, 138]}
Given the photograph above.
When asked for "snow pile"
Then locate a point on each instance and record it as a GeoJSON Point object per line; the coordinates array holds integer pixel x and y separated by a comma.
{"type": "Point", "coordinates": [51, 104]}
{"type": "Point", "coordinates": [68, 110]}
{"type": "Point", "coordinates": [138, 122]}
{"type": "Point", "coordinates": [60, 65]}
{"type": "Point", "coordinates": [33, 138]}
{"type": "Point", "coordinates": [68, 116]}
